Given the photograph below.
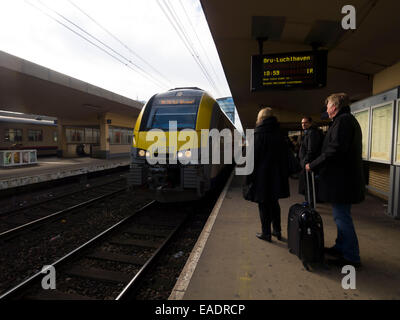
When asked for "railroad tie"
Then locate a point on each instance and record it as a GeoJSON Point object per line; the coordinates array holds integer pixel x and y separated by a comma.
{"type": "Point", "coordinates": [150, 232]}
{"type": "Point", "coordinates": [57, 295]}
{"type": "Point", "coordinates": [117, 257]}
{"type": "Point", "coordinates": [99, 274]}
{"type": "Point", "coordinates": [136, 242]}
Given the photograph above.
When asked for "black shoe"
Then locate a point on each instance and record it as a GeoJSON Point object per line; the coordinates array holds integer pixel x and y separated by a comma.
{"type": "Point", "coordinates": [333, 252]}
{"type": "Point", "coordinates": [277, 234]}
{"type": "Point", "coordinates": [262, 236]}
{"type": "Point", "coordinates": [341, 262]}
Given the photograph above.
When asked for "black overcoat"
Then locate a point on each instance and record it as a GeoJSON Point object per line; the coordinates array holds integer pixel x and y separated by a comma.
{"type": "Point", "coordinates": [270, 176]}
{"type": "Point", "coordinates": [310, 149]}
{"type": "Point", "coordinates": [340, 164]}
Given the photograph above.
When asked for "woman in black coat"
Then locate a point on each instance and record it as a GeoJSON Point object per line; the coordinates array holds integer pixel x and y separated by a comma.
{"type": "Point", "coordinates": [270, 178]}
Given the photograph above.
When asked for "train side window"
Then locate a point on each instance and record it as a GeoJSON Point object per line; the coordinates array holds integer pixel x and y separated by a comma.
{"type": "Point", "coordinates": [35, 135]}
{"type": "Point", "coordinates": [13, 135]}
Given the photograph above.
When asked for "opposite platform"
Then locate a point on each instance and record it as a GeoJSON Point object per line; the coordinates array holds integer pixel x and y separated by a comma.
{"type": "Point", "coordinates": [234, 264]}
{"type": "Point", "coordinates": [52, 168]}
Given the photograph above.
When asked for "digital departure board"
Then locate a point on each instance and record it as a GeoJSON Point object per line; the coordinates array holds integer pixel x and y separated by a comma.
{"type": "Point", "coordinates": [289, 70]}
{"type": "Point", "coordinates": [175, 101]}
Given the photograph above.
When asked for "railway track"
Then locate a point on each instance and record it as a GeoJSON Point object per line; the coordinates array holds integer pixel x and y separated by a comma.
{"type": "Point", "coordinates": [110, 265]}
{"type": "Point", "coordinates": [14, 221]}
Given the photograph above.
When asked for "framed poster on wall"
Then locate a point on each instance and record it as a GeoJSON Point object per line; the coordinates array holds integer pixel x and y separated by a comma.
{"type": "Point", "coordinates": [397, 136]}
{"type": "Point", "coordinates": [381, 132]}
{"type": "Point", "coordinates": [362, 117]}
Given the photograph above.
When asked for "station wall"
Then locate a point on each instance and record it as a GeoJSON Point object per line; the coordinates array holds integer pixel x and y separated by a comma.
{"type": "Point", "coordinates": [386, 79]}
{"type": "Point", "coordinates": [379, 174]}
{"type": "Point", "coordinates": [379, 117]}
{"type": "Point", "coordinates": [102, 147]}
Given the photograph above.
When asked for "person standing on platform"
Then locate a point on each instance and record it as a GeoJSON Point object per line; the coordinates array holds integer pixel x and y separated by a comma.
{"type": "Point", "coordinates": [310, 149]}
{"type": "Point", "coordinates": [269, 180]}
{"type": "Point", "coordinates": [341, 177]}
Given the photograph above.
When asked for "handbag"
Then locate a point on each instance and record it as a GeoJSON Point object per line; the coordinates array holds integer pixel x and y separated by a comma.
{"type": "Point", "coordinates": [294, 164]}
{"type": "Point", "coordinates": [248, 191]}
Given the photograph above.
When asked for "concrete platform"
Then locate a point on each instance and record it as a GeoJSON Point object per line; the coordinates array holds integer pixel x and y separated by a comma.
{"type": "Point", "coordinates": [52, 168]}
{"type": "Point", "coordinates": [234, 264]}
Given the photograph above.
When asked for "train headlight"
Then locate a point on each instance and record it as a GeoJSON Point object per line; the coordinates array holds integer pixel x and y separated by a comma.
{"type": "Point", "coordinates": [188, 154]}
{"type": "Point", "coordinates": [185, 154]}
{"type": "Point", "coordinates": [142, 153]}
{"type": "Point", "coordinates": [147, 154]}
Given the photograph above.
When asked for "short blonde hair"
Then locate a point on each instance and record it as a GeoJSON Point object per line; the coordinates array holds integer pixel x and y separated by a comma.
{"type": "Point", "coordinates": [264, 114]}
{"type": "Point", "coordinates": [339, 99]}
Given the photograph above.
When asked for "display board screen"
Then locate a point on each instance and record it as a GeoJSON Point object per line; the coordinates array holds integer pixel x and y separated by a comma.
{"type": "Point", "coordinates": [289, 70]}
{"type": "Point", "coordinates": [363, 119]}
{"type": "Point", "coordinates": [175, 101]}
{"type": "Point", "coordinates": [381, 144]}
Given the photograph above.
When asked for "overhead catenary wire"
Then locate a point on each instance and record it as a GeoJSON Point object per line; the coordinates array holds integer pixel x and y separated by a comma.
{"type": "Point", "coordinates": [128, 62]}
{"type": "Point", "coordinates": [196, 55]}
{"type": "Point", "coordinates": [144, 73]}
{"type": "Point", "coordinates": [180, 30]}
{"type": "Point", "coordinates": [122, 43]}
{"type": "Point", "coordinates": [199, 40]}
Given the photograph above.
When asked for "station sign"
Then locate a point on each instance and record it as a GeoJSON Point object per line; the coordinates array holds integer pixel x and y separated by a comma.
{"type": "Point", "coordinates": [305, 70]}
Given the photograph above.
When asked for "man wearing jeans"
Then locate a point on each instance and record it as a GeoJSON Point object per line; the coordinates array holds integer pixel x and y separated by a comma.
{"type": "Point", "coordinates": [341, 177]}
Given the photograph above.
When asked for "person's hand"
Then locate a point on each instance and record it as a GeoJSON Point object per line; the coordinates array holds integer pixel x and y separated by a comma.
{"type": "Point", "coordinates": [308, 167]}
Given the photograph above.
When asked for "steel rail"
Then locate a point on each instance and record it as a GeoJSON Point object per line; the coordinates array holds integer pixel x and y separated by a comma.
{"type": "Point", "coordinates": [30, 224]}
{"type": "Point", "coordinates": [23, 285]}
{"type": "Point", "coordinates": [138, 276]}
{"type": "Point", "coordinates": [6, 213]}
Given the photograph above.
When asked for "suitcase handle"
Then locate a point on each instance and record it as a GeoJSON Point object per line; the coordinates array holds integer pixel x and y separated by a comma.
{"type": "Point", "coordinates": [313, 187]}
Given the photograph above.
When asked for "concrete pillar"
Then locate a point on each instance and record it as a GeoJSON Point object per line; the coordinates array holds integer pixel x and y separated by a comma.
{"type": "Point", "coordinates": [61, 140]}
{"type": "Point", "coordinates": [104, 151]}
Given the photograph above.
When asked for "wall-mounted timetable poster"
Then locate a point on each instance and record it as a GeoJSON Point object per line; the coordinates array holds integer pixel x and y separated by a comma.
{"type": "Point", "coordinates": [363, 119]}
{"type": "Point", "coordinates": [381, 144]}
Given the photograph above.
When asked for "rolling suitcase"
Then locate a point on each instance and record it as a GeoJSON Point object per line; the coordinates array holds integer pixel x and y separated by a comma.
{"type": "Point", "coordinates": [305, 231]}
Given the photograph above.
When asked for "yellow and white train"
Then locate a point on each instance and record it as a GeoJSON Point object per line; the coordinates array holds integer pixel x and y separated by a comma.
{"type": "Point", "coordinates": [175, 179]}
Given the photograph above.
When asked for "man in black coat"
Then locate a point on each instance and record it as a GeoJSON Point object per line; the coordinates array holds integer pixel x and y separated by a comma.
{"type": "Point", "coordinates": [341, 176]}
{"type": "Point", "coordinates": [270, 178]}
{"type": "Point", "coordinates": [310, 149]}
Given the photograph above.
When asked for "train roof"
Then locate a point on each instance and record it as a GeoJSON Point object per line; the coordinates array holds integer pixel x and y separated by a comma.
{"type": "Point", "coordinates": [27, 121]}
{"type": "Point", "coordinates": [186, 88]}
{"type": "Point", "coordinates": [182, 92]}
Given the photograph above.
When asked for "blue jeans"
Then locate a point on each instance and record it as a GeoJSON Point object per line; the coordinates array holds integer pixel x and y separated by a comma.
{"type": "Point", "coordinates": [346, 241]}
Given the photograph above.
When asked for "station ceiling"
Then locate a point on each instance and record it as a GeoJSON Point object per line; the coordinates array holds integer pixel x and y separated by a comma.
{"type": "Point", "coordinates": [354, 56]}
{"type": "Point", "coordinates": [33, 89]}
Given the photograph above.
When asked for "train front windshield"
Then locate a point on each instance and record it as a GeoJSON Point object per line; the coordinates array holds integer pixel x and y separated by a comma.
{"type": "Point", "coordinates": [183, 111]}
